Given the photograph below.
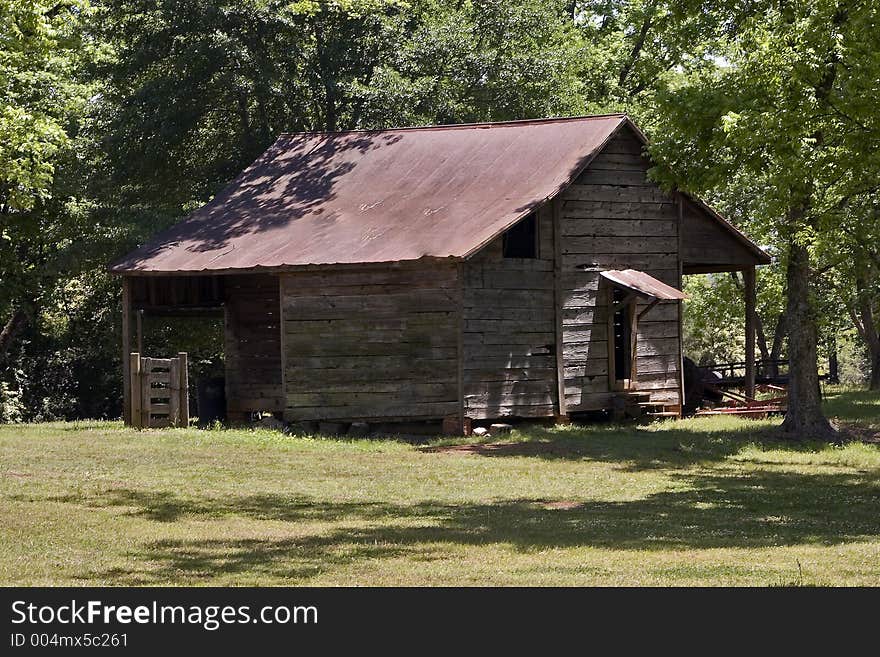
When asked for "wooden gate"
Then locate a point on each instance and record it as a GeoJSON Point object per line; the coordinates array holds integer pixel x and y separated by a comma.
{"type": "Point", "coordinates": [159, 392]}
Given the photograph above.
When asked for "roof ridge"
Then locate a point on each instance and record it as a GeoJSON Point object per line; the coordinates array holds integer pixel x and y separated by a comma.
{"type": "Point", "coordinates": [461, 126]}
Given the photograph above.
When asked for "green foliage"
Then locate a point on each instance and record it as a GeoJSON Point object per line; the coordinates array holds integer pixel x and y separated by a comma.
{"type": "Point", "coordinates": [477, 61]}
{"type": "Point", "coordinates": [714, 320]}
{"type": "Point", "coordinates": [120, 116]}
{"type": "Point", "coordinates": [39, 54]}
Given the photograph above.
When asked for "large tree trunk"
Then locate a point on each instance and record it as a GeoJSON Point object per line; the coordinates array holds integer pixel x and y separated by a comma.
{"type": "Point", "coordinates": [804, 419]}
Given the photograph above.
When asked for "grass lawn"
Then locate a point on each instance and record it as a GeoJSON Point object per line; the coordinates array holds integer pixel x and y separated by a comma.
{"type": "Point", "coordinates": [709, 501]}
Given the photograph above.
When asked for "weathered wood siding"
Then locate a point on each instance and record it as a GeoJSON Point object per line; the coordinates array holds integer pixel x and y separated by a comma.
{"type": "Point", "coordinates": [371, 343]}
{"type": "Point", "coordinates": [613, 217]}
{"type": "Point", "coordinates": [253, 346]}
{"type": "Point", "coordinates": [706, 246]}
{"type": "Point", "coordinates": [509, 367]}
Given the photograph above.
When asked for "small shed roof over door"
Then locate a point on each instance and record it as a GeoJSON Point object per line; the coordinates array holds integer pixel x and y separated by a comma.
{"type": "Point", "coordinates": [643, 284]}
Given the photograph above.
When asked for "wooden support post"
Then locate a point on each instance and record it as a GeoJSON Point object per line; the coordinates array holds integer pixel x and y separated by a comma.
{"type": "Point", "coordinates": [281, 341]}
{"type": "Point", "coordinates": [184, 390]}
{"type": "Point", "coordinates": [135, 384]}
{"type": "Point", "coordinates": [680, 305]}
{"type": "Point", "coordinates": [174, 393]}
{"type": "Point", "coordinates": [562, 407]}
{"type": "Point", "coordinates": [126, 350]}
{"type": "Point", "coordinates": [140, 331]}
{"type": "Point", "coordinates": [750, 299]}
{"type": "Point", "coordinates": [464, 427]}
{"type": "Point", "coordinates": [633, 344]}
{"type": "Point", "coordinates": [146, 392]}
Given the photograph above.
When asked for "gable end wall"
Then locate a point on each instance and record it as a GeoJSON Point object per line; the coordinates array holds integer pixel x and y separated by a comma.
{"type": "Point", "coordinates": [613, 217]}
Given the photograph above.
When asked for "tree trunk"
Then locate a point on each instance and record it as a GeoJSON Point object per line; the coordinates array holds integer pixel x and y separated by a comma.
{"type": "Point", "coordinates": [14, 325]}
{"type": "Point", "coordinates": [778, 338]}
{"type": "Point", "coordinates": [804, 419]}
{"type": "Point", "coordinates": [833, 365]}
{"type": "Point", "coordinates": [867, 327]}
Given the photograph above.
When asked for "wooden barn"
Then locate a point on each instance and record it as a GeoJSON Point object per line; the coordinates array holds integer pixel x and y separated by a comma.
{"type": "Point", "coordinates": [527, 269]}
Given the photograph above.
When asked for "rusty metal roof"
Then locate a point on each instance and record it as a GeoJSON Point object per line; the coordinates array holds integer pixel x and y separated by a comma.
{"type": "Point", "coordinates": [390, 195]}
{"type": "Point", "coordinates": [642, 283]}
{"type": "Point", "coordinates": [381, 196]}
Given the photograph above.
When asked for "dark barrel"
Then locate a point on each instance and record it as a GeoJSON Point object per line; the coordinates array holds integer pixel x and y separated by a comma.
{"type": "Point", "coordinates": [211, 401]}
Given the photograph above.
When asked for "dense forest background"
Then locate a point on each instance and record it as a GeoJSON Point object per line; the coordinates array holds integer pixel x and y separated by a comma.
{"type": "Point", "coordinates": [120, 116]}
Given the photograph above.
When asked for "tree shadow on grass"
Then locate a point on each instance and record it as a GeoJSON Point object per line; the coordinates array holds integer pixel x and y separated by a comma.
{"type": "Point", "coordinates": [709, 511]}
{"type": "Point", "coordinates": [680, 443]}
{"type": "Point", "coordinates": [634, 447]}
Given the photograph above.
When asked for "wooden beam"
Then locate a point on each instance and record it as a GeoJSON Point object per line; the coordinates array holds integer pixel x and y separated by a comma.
{"type": "Point", "coordinates": [647, 308]}
{"type": "Point", "coordinates": [750, 300]}
{"type": "Point", "coordinates": [282, 326]}
{"type": "Point", "coordinates": [558, 297]}
{"type": "Point", "coordinates": [633, 345]}
{"type": "Point", "coordinates": [184, 389]}
{"type": "Point", "coordinates": [174, 393]}
{"type": "Point", "coordinates": [680, 304]}
{"type": "Point", "coordinates": [140, 331]}
{"type": "Point", "coordinates": [459, 346]}
{"type": "Point", "coordinates": [126, 350]}
{"type": "Point", "coordinates": [135, 389]}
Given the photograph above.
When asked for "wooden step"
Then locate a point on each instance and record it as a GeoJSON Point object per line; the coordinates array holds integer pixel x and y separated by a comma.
{"type": "Point", "coordinates": [664, 414]}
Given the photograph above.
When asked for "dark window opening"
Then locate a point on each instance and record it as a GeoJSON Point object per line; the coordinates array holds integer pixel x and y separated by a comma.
{"type": "Point", "coordinates": [622, 338]}
{"type": "Point", "coordinates": [521, 240]}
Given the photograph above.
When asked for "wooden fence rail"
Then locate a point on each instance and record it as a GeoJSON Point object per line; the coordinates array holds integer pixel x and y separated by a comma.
{"type": "Point", "coordinates": [159, 391]}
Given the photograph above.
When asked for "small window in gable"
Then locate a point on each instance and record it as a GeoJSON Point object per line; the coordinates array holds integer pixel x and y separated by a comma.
{"type": "Point", "coordinates": [521, 240]}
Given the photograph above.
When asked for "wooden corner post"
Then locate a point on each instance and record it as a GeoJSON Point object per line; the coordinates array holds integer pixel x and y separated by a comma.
{"type": "Point", "coordinates": [183, 387]}
{"type": "Point", "coordinates": [126, 350]}
{"type": "Point", "coordinates": [558, 300]}
{"type": "Point", "coordinates": [751, 317]}
{"type": "Point", "coordinates": [134, 401]}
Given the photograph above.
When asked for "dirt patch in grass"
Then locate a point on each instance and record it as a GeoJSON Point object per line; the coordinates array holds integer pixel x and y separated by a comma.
{"type": "Point", "coordinates": [563, 505]}
{"type": "Point", "coordinates": [532, 448]}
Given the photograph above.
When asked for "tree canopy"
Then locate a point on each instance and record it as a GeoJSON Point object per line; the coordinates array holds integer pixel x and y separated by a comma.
{"type": "Point", "coordinates": [120, 116]}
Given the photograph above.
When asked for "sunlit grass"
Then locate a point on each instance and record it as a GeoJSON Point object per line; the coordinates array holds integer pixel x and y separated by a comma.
{"type": "Point", "coordinates": [717, 500]}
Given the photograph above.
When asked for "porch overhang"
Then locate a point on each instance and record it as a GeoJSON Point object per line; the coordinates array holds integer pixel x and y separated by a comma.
{"type": "Point", "coordinates": [643, 284]}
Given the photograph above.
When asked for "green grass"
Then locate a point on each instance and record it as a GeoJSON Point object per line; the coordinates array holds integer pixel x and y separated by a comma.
{"type": "Point", "coordinates": [708, 501]}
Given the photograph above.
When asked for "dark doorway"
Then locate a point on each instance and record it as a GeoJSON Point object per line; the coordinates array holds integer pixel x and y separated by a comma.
{"type": "Point", "coordinates": [622, 337]}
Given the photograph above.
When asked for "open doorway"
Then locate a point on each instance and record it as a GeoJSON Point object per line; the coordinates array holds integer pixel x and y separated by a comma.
{"type": "Point", "coordinates": [623, 339]}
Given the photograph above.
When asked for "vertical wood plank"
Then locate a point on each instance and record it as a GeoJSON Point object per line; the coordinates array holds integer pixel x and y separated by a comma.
{"type": "Point", "coordinates": [680, 305]}
{"type": "Point", "coordinates": [140, 331]}
{"type": "Point", "coordinates": [184, 389]}
{"type": "Point", "coordinates": [558, 296]}
{"type": "Point", "coordinates": [281, 333]}
{"type": "Point", "coordinates": [750, 294]}
{"type": "Point", "coordinates": [146, 393]}
{"type": "Point", "coordinates": [126, 350]}
{"type": "Point", "coordinates": [633, 318]}
{"type": "Point", "coordinates": [460, 345]}
{"type": "Point", "coordinates": [174, 393]}
{"type": "Point", "coordinates": [134, 369]}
